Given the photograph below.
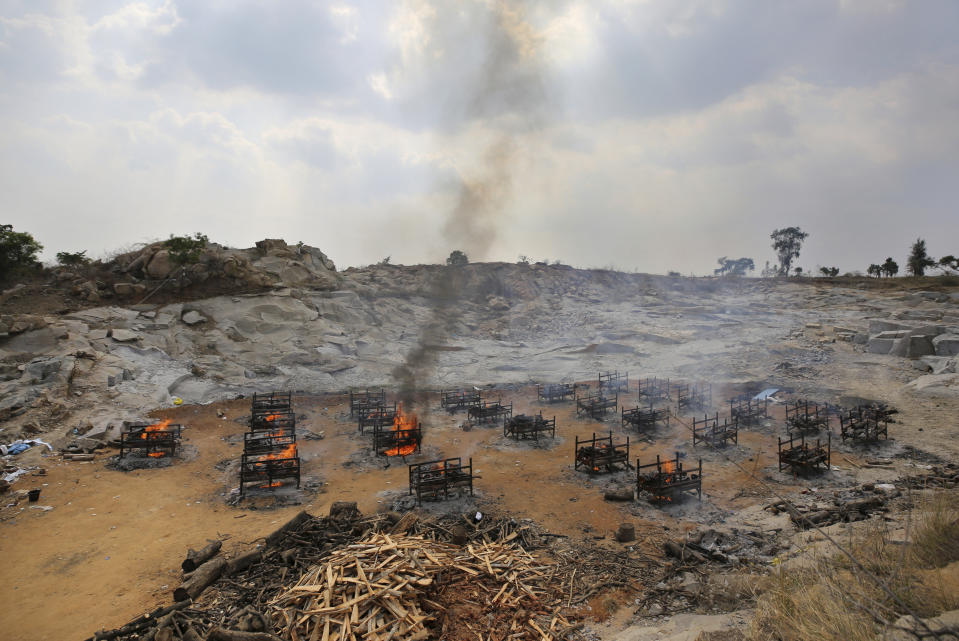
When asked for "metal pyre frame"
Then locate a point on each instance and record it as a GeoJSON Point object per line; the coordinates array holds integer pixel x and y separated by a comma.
{"type": "Point", "coordinates": [664, 480]}
{"type": "Point", "coordinates": [600, 453]}
{"type": "Point", "coordinates": [746, 410]}
{"type": "Point", "coordinates": [613, 382]}
{"type": "Point", "coordinates": [489, 412]}
{"type": "Point", "coordinates": [270, 468]}
{"type": "Point", "coordinates": [389, 440]}
{"type": "Point", "coordinates": [709, 430]}
{"type": "Point", "coordinates": [366, 400]}
{"type": "Point", "coordinates": [522, 427]}
{"type": "Point", "coordinates": [454, 400]}
{"type": "Point", "coordinates": [803, 416]}
{"type": "Point", "coordinates": [799, 456]}
{"type": "Point", "coordinates": [268, 420]}
{"type": "Point", "coordinates": [692, 396]}
{"type": "Point", "coordinates": [645, 418]}
{"type": "Point", "coordinates": [274, 401]}
{"type": "Point", "coordinates": [863, 423]}
{"type": "Point", "coordinates": [155, 442]}
{"type": "Point", "coordinates": [433, 480]}
{"type": "Point", "coordinates": [268, 441]}
{"type": "Point", "coordinates": [596, 406]}
{"type": "Point", "coordinates": [556, 392]}
{"type": "Point", "coordinates": [375, 416]}
{"type": "Point", "coordinates": [654, 390]}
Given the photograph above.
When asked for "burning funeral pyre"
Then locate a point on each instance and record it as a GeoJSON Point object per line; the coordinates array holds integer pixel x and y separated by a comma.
{"type": "Point", "coordinates": [599, 454]}
{"type": "Point", "coordinates": [402, 437]}
{"type": "Point", "coordinates": [270, 455]}
{"type": "Point", "coordinates": [156, 440]}
{"type": "Point", "coordinates": [663, 480]}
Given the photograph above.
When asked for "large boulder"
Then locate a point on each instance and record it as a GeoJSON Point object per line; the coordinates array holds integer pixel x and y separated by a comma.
{"type": "Point", "coordinates": [946, 344]}
{"type": "Point", "coordinates": [160, 266]}
{"type": "Point", "coordinates": [129, 289]}
{"type": "Point", "coordinates": [274, 247]}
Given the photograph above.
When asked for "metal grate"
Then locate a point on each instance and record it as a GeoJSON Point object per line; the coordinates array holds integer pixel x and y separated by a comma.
{"type": "Point", "coordinates": [433, 480]}
{"type": "Point", "coordinates": [600, 453]}
{"type": "Point", "coordinates": [523, 427]}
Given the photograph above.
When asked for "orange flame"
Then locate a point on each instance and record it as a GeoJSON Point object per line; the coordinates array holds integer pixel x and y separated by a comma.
{"type": "Point", "coordinates": [287, 452]}
{"type": "Point", "coordinates": [156, 454]}
{"type": "Point", "coordinates": [156, 427]}
{"type": "Point", "coordinates": [404, 422]}
{"type": "Point", "coordinates": [272, 417]}
{"type": "Point", "coordinates": [273, 484]}
{"type": "Point", "coordinates": [668, 467]}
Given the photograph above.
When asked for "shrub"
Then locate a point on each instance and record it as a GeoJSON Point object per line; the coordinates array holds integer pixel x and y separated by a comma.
{"type": "Point", "coordinates": [73, 259]}
{"type": "Point", "coordinates": [18, 251]}
{"type": "Point", "coordinates": [457, 258]}
{"type": "Point", "coordinates": [185, 250]}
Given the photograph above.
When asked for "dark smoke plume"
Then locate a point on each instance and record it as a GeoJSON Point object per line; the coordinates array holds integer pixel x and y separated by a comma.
{"type": "Point", "coordinates": [506, 100]}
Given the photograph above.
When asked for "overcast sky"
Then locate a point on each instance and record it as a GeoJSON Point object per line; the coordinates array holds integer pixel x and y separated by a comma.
{"type": "Point", "coordinates": [647, 134]}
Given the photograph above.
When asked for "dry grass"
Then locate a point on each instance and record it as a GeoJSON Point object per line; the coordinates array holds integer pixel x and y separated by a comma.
{"type": "Point", "coordinates": [832, 600]}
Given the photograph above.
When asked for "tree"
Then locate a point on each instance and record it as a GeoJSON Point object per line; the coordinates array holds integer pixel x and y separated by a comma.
{"type": "Point", "coordinates": [798, 271]}
{"type": "Point", "coordinates": [874, 270]}
{"type": "Point", "coordinates": [185, 250]}
{"type": "Point", "coordinates": [787, 242]}
{"type": "Point", "coordinates": [72, 259]}
{"type": "Point", "coordinates": [949, 263]}
{"type": "Point", "coordinates": [731, 267]}
{"type": "Point", "coordinates": [18, 251]}
{"type": "Point", "coordinates": [890, 268]}
{"type": "Point", "coordinates": [829, 271]}
{"type": "Point", "coordinates": [919, 260]}
{"type": "Point", "coordinates": [457, 258]}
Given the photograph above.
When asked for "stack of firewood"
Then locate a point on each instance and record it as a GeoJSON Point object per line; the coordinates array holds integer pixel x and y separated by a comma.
{"type": "Point", "coordinates": [392, 586]}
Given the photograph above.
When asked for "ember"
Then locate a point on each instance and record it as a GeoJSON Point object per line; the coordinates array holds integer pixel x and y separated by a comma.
{"type": "Point", "coordinates": [269, 448]}
{"type": "Point", "coordinates": [664, 480]}
{"type": "Point", "coordinates": [434, 479]}
{"type": "Point", "coordinates": [596, 454]}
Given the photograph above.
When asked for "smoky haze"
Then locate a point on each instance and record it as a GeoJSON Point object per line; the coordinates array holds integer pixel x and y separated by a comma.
{"type": "Point", "coordinates": [508, 101]}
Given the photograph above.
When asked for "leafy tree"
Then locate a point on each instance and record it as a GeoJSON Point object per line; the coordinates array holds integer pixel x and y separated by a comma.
{"type": "Point", "coordinates": [18, 251]}
{"type": "Point", "coordinates": [829, 271]}
{"type": "Point", "coordinates": [185, 250]}
{"type": "Point", "coordinates": [874, 270]}
{"type": "Point", "coordinates": [734, 267]}
{"type": "Point", "coordinates": [72, 259]}
{"type": "Point", "coordinates": [949, 263]}
{"type": "Point", "coordinates": [919, 260]}
{"type": "Point", "coordinates": [457, 258]}
{"type": "Point", "coordinates": [890, 268]}
{"type": "Point", "coordinates": [798, 271]}
{"type": "Point", "coordinates": [787, 242]}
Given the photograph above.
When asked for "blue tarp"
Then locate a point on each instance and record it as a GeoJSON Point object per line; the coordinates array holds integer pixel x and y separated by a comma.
{"type": "Point", "coordinates": [766, 393]}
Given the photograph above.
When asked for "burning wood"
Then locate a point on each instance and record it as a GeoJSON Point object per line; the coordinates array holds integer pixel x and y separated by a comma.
{"type": "Point", "coordinates": [524, 427]}
{"type": "Point", "coordinates": [600, 453]}
{"type": "Point", "coordinates": [156, 440]}
{"type": "Point", "coordinates": [708, 430]}
{"type": "Point", "coordinates": [269, 469]}
{"type": "Point", "coordinates": [375, 417]}
{"type": "Point", "coordinates": [266, 441]}
{"type": "Point", "coordinates": [555, 392]}
{"type": "Point", "coordinates": [434, 479]}
{"type": "Point", "coordinates": [663, 480]}
{"type": "Point", "coordinates": [272, 420]}
{"type": "Point", "coordinates": [401, 439]}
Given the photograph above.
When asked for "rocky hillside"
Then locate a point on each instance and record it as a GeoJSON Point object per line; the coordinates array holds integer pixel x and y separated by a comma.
{"type": "Point", "coordinates": [282, 318]}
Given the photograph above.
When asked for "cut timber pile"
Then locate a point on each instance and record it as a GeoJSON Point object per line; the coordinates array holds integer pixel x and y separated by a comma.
{"type": "Point", "coordinates": [390, 586]}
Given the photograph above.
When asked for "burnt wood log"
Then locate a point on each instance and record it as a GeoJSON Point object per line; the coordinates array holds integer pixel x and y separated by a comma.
{"type": "Point", "coordinates": [196, 558]}
{"type": "Point", "coordinates": [139, 623]}
{"type": "Point", "coordinates": [618, 495]}
{"type": "Point", "coordinates": [289, 526]}
{"type": "Point", "coordinates": [243, 561]}
{"type": "Point", "coordinates": [682, 552]}
{"type": "Point", "coordinates": [219, 634]}
{"type": "Point", "coordinates": [203, 577]}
